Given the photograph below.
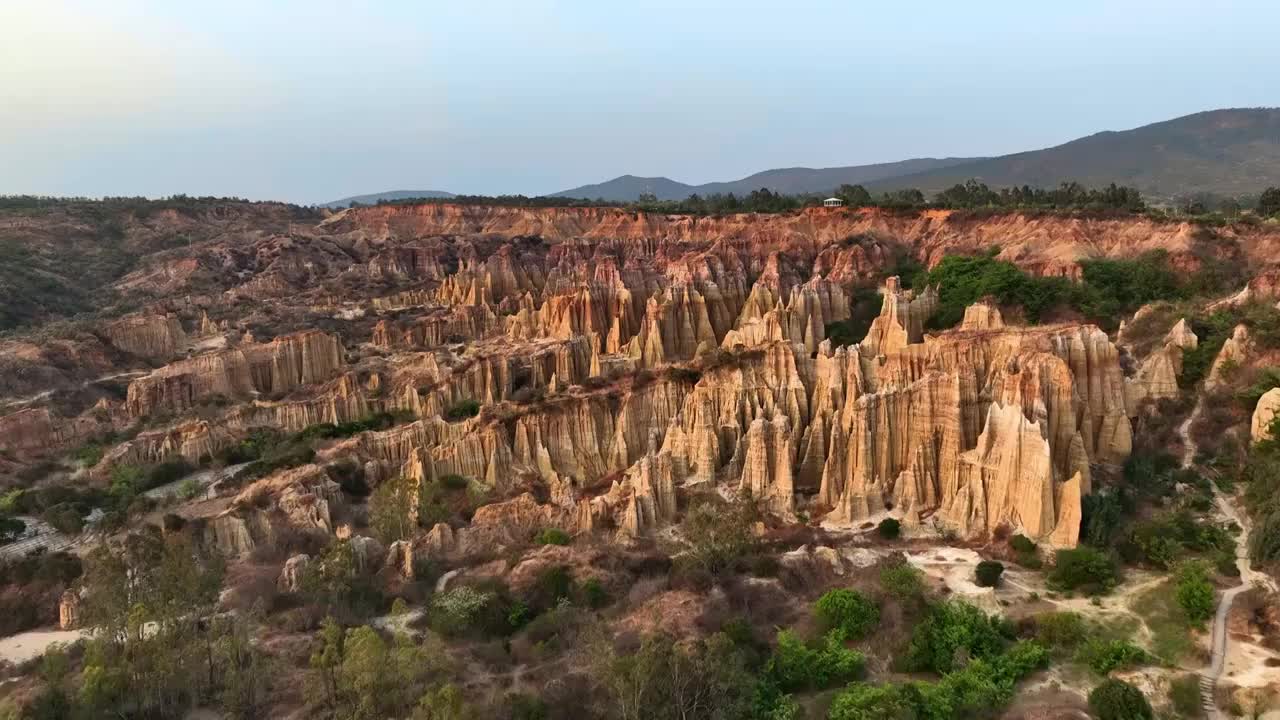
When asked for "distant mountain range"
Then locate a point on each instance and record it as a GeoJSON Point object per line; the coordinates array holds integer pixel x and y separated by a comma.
{"type": "Point", "coordinates": [791, 181]}
{"type": "Point", "coordinates": [374, 198]}
{"type": "Point", "coordinates": [1228, 152]}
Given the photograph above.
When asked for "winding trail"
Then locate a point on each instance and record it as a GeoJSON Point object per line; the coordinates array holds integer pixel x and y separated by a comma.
{"type": "Point", "coordinates": [1210, 675]}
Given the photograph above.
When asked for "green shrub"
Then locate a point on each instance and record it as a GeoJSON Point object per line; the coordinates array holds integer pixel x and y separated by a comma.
{"type": "Point", "coordinates": [454, 482]}
{"type": "Point", "coordinates": [1195, 592]}
{"type": "Point", "coordinates": [848, 612]}
{"type": "Point", "coordinates": [462, 411]}
{"type": "Point", "coordinates": [552, 536]}
{"type": "Point", "coordinates": [1022, 544]}
{"type": "Point", "coordinates": [465, 609]}
{"type": "Point", "coordinates": [1060, 629]}
{"type": "Point", "coordinates": [594, 594]}
{"type": "Point", "coordinates": [861, 701]}
{"type": "Point", "coordinates": [64, 518]}
{"type": "Point", "coordinates": [889, 529]}
{"type": "Point", "coordinates": [795, 665]}
{"type": "Point", "coordinates": [88, 455]}
{"type": "Point", "coordinates": [903, 581]}
{"type": "Point", "coordinates": [1118, 700]}
{"type": "Point", "coordinates": [1025, 552]}
{"type": "Point", "coordinates": [1083, 568]}
{"type": "Point", "coordinates": [168, 471]}
{"type": "Point", "coordinates": [979, 689]}
{"type": "Point", "coordinates": [988, 572]}
{"type": "Point", "coordinates": [1184, 694]}
{"type": "Point", "coordinates": [719, 533]}
{"type": "Point", "coordinates": [1104, 656]}
{"type": "Point", "coordinates": [950, 627]}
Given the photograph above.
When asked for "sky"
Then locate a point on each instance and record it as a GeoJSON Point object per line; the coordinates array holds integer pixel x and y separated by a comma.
{"type": "Point", "coordinates": [312, 101]}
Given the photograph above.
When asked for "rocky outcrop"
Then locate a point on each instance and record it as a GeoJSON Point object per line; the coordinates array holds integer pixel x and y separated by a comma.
{"type": "Point", "coordinates": [767, 464]}
{"type": "Point", "coordinates": [1157, 377]}
{"type": "Point", "coordinates": [1235, 351]}
{"type": "Point", "coordinates": [400, 559]}
{"type": "Point", "coordinates": [274, 367]}
{"type": "Point", "coordinates": [28, 429]}
{"type": "Point", "coordinates": [917, 433]}
{"type": "Point", "coordinates": [1263, 415]}
{"type": "Point", "coordinates": [194, 440]}
{"type": "Point", "coordinates": [290, 580]}
{"type": "Point", "coordinates": [443, 325]}
{"type": "Point", "coordinates": [301, 498]}
{"type": "Point", "coordinates": [982, 316]}
{"type": "Point", "coordinates": [69, 610]}
{"type": "Point", "coordinates": [155, 337]}
{"type": "Point", "coordinates": [901, 320]}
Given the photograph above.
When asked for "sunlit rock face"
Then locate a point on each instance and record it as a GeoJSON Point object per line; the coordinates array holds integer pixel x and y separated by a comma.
{"type": "Point", "coordinates": [617, 363]}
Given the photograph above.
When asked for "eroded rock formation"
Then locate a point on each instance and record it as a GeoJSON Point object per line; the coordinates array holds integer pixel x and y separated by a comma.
{"type": "Point", "coordinates": [274, 367]}
{"type": "Point", "coordinates": [1265, 412]}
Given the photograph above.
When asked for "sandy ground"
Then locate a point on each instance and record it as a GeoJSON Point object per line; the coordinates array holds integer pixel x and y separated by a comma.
{"type": "Point", "coordinates": [22, 647]}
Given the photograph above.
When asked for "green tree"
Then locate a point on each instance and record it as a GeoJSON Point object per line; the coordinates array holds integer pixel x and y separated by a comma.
{"type": "Point", "coordinates": [861, 701]}
{"type": "Point", "coordinates": [246, 672]}
{"type": "Point", "coordinates": [335, 582]}
{"type": "Point", "coordinates": [719, 533]}
{"type": "Point", "coordinates": [444, 702]}
{"type": "Point", "coordinates": [854, 195]}
{"type": "Point", "coordinates": [847, 611]}
{"type": "Point", "coordinates": [798, 665]}
{"type": "Point", "coordinates": [326, 660]}
{"type": "Point", "coordinates": [988, 572]}
{"type": "Point", "coordinates": [1118, 700]}
{"type": "Point", "coordinates": [1269, 202]}
{"type": "Point", "coordinates": [903, 580]}
{"type": "Point", "coordinates": [393, 509]}
{"type": "Point", "coordinates": [666, 680]}
{"type": "Point", "coordinates": [1084, 568]}
{"type": "Point", "coordinates": [1195, 592]}
{"type": "Point", "coordinates": [952, 631]}
{"type": "Point", "coordinates": [889, 529]}
{"type": "Point", "coordinates": [153, 651]}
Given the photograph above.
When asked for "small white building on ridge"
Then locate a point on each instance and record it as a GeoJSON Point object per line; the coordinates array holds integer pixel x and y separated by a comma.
{"type": "Point", "coordinates": [832, 202]}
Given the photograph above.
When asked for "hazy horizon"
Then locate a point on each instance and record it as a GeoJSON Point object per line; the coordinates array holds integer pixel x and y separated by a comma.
{"type": "Point", "coordinates": [311, 102]}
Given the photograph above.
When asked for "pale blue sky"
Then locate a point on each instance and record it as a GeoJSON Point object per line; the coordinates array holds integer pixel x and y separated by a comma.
{"type": "Point", "coordinates": [311, 101]}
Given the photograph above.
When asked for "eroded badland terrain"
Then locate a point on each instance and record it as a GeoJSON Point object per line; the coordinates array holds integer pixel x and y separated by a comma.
{"type": "Point", "coordinates": [449, 461]}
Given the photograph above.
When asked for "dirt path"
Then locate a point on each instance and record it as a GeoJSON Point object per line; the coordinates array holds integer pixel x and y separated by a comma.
{"type": "Point", "coordinates": [1210, 675]}
{"type": "Point", "coordinates": [22, 647]}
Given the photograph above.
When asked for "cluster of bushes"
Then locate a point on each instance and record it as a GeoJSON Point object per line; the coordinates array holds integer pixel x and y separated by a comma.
{"type": "Point", "coordinates": [1108, 290]}
{"type": "Point", "coordinates": [1084, 568]}
{"type": "Point", "coordinates": [1118, 700]}
{"type": "Point", "coordinates": [490, 610]}
{"type": "Point", "coordinates": [1100, 647]}
{"type": "Point", "coordinates": [1215, 328]}
{"type": "Point", "coordinates": [1025, 551]}
{"type": "Point", "coordinates": [462, 411]}
{"type": "Point", "coordinates": [376, 421]}
{"type": "Point", "coordinates": [1166, 537]}
{"type": "Point", "coordinates": [266, 450]}
{"type": "Point", "coordinates": [1262, 496]}
{"type": "Point", "coordinates": [1165, 540]}
{"type": "Point", "coordinates": [984, 681]}
{"type": "Point", "coordinates": [65, 507]}
{"type": "Point", "coordinates": [1195, 592]}
{"type": "Point", "coordinates": [398, 506]}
